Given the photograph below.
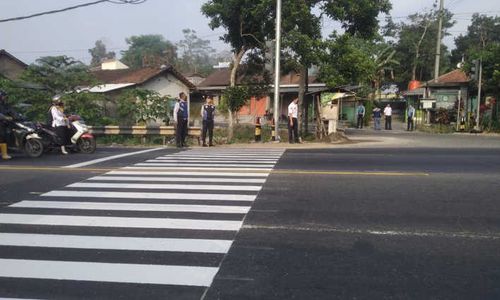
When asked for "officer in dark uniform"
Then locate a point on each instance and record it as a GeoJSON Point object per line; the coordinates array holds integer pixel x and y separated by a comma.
{"type": "Point", "coordinates": [208, 114]}
{"type": "Point", "coordinates": [181, 120]}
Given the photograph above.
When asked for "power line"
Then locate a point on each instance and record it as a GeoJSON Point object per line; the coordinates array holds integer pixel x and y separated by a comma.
{"type": "Point", "coordinates": [71, 8]}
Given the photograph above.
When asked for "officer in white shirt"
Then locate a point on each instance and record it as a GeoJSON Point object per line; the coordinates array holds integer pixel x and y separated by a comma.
{"type": "Point", "coordinates": [293, 128]}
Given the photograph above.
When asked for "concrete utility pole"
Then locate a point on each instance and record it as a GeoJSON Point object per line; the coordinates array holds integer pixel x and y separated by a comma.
{"type": "Point", "coordinates": [477, 127]}
{"type": "Point", "coordinates": [277, 70]}
{"type": "Point", "coordinates": [438, 43]}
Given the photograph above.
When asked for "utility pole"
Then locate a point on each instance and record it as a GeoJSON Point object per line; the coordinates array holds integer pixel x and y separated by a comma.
{"type": "Point", "coordinates": [477, 127]}
{"type": "Point", "coordinates": [277, 70]}
{"type": "Point", "coordinates": [438, 42]}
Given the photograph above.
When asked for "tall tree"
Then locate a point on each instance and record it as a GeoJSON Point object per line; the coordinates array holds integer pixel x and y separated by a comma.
{"type": "Point", "coordinates": [416, 46]}
{"type": "Point", "coordinates": [482, 41]}
{"type": "Point", "coordinates": [99, 53]}
{"type": "Point", "coordinates": [149, 50]}
{"type": "Point", "coordinates": [197, 54]}
{"type": "Point", "coordinates": [248, 24]}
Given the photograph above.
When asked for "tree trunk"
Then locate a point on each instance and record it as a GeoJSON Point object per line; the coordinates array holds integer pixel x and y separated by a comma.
{"type": "Point", "coordinates": [232, 83]}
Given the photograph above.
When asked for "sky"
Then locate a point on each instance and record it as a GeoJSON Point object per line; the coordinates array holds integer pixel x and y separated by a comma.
{"type": "Point", "coordinates": [73, 32]}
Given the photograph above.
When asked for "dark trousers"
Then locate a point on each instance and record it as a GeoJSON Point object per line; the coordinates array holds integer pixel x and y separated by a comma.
{"type": "Point", "coordinates": [208, 125]}
{"type": "Point", "coordinates": [410, 124]}
{"type": "Point", "coordinates": [293, 131]}
{"type": "Point", "coordinates": [62, 133]}
{"type": "Point", "coordinates": [388, 122]}
{"type": "Point", "coordinates": [3, 133]}
{"type": "Point", "coordinates": [181, 132]}
{"type": "Point", "coordinates": [360, 121]}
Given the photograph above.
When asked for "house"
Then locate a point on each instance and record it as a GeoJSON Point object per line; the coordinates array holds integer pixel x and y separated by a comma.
{"type": "Point", "coordinates": [446, 92]}
{"type": "Point", "coordinates": [10, 66]}
{"type": "Point", "coordinates": [219, 80]}
{"type": "Point", "coordinates": [164, 80]}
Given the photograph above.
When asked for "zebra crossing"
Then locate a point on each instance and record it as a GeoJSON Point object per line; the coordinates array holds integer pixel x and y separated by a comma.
{"type": "Point", "coordinates": [156, 229]}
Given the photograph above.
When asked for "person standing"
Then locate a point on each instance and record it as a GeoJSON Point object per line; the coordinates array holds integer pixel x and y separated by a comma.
{"type": "Point", "coordinates": [293, 128]}
{"type": "Point", "coordinates": [388, 117]}
{"type": "Point", "coordinates": [60, 123]}
{"type": "Point", "coordinates": [361, 115]}
{"type": "Point", "coordinates": [411, 115]}
{"type": "Point", "coordinates": [181, 120]}
{"type": "Point", "coordinates": [208, 115]}
{"type": "Point", "coordinates": [377, 115]}
{"type": "Point", "coordinates": [5, 110]}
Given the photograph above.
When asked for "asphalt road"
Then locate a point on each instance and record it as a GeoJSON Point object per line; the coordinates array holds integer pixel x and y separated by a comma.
{"type": "Point", "coordinates": [341, 223]}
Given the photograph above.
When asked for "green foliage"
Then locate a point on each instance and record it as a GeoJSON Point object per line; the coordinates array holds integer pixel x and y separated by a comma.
{"type": "Point", "coordinates": [482, 41]}
{"type": "Point", "coordinates": [141, 106]}
{"type": "Point", "coordinates": [347, 60]}
{"type": "Point", "coordinates": [99, 53]}
{"type": "Point", "coordinates": [234, 98]}
{"type": "Point", "coordinates": [53, 75]}
{"type": "Point", "coordinates": [416, 46]}
{"type": "Point", "coordinates": [357, 17]}
{"type": "Point", "coordinates": [197, 55]}
{"type": "Point", "coordinates": [58, 74]}
{"type": "Point", "coordinates": [148, 50]}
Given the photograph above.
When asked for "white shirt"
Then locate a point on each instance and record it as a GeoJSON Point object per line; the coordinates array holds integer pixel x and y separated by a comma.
{"type": "Point", "coordinates": [58, 117]}
{"type": "Point", "coordinates": [388, 111]}
{"type": "Point", "coordinates": [292, 110]}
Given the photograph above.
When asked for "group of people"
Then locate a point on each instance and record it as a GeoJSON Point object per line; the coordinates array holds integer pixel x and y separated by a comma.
{"type": "Point", "coordinates": [181, 117]}
{"type": "Point", "coordinates": [387, 112]}
{"type": "Point", "coordinates": [57, 119]}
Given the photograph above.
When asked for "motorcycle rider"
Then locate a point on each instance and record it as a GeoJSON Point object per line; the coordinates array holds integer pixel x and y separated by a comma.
{"type": "Point", "coordinates": [8, 113]}
{"type": "Point", "coordinates": [60, 122]}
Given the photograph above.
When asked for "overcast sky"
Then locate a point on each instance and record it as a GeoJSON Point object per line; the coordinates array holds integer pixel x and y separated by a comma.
{"type": "Point", "coordinates": [72, 33]}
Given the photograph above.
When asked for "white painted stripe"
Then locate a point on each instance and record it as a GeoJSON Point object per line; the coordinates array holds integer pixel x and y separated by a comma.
{"type": "Point", "coordinates": [216, 209]}
{"type": "Point", "coordinates": [143, 195]}
{"type": "Point", "coordinates": [191, 187]}
{"type": "Point", "coordinates": [208, 161]}
{"type": "Point", "coordinates": [202, 165]}
{"type": "Point", "coordinates": [226, 156]}
{"type": "Point", "coordinates": [197, 158]}
{"type": "Point", "coordinates": [95, 161]}
{"type": "Point", "coordinates": [108, 272]}
{"type": "Point", "coordinates": [114, 243]}
{"type": "Point", "coordinates": [119, 222]}
{"type": "Point", "coordinates": [176, 179]}
{"type": "Point", "coordinates": [196, 168]}
{"type": "Point", "coordinates": [177, 173]}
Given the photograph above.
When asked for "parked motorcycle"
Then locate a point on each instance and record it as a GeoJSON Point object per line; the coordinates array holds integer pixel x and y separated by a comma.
{"type": "Point", "coordinates": [81, 139]}
{"type": "Point", "coordinates": [22, 136]}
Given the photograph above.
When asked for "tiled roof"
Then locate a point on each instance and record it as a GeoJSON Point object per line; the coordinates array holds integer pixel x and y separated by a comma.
{"type": "Point", "coordinates": [220, 77]}
{"type": "Point", "coordinates": [137, 76]}
{"type": "Point", "coordinates": [3, 52]}
{"type": "Point", "coordinates": [455, 76]}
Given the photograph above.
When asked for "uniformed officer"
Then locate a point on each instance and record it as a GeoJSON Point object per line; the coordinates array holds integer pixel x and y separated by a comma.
{"type": "Point", "coordinates": [208, 115]}
{"type": "Point", "coordinates": [181, 120]}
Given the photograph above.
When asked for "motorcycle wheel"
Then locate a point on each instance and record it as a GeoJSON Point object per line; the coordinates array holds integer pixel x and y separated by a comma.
{"type": "Point", "coordinates": [33, 147]}
{"type": "Point", "coordinates": [86, 145]}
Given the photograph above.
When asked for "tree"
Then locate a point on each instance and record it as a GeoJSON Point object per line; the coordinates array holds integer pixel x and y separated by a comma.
{"type": "Point", "coordinates": [416, 46]}
{"type": "Point", "coordinates": [249, 24]}
{"type": "Point", "coordinates": [61, 75]}
{"type": "Point", "coordinates": [482, 41]}
{"type": "Point", "coordinates": [141, 106]}
{"type": "Point", "coordinates": [149, 50]}
{"type": "Point", "coordinates": [99, 53]}
{"type": "Point", "coordinates": [197, 55]}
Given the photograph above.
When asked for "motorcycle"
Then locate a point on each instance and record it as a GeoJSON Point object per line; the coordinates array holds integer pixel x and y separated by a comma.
{"type": "Point", "coordinates": [22, 136]}
{"type": "Point", "coordinates": [81, 139]}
